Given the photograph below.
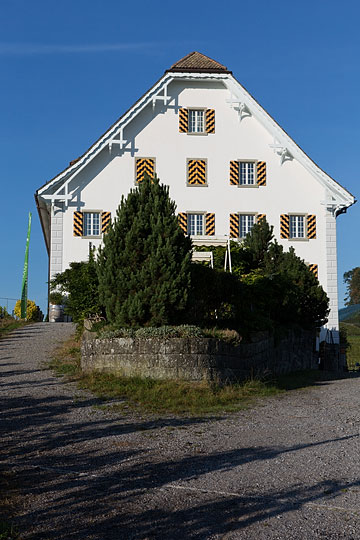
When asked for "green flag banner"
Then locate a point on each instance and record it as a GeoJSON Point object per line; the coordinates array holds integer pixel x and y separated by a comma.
{"type": "Point", "coordinates": [24, 288]}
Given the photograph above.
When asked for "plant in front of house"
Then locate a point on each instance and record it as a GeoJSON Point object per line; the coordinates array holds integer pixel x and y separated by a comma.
{"type": "Point", "coordinates": [144, 265]}
{"type": "Point", "coordinates": [78, 287]}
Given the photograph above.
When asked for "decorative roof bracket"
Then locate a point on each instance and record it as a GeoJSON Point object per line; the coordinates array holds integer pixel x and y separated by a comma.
{"type": "Point", "coordinates": [282, 151]}
{"type": "Point", "coordinates": [241, 108]}
{"type": "Point", "coordinates": [120, 141]}
{"type": "Point", "coordinates": [164, 97]}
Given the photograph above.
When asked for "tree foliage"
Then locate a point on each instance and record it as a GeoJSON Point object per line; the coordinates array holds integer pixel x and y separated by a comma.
{"type": "Point", "coordinates": [352, 281]}
{"type": "Point", "coordinates": [144, 265]}
{"type": "Point", "coordinates": [33, 312]}
{"type": "Point", "coordinates": [79, 285]}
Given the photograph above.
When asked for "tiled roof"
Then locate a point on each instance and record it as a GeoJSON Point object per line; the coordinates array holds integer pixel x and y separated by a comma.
{"type": "Point", "coordinates": [198, 62]}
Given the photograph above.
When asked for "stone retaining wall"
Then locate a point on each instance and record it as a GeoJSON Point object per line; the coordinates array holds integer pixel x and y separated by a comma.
{"type": "Point", "coordinates": [196, 359]}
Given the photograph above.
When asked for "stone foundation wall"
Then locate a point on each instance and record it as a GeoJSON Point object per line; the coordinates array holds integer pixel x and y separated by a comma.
{"type": "Point", "coordinates": [196, 359]}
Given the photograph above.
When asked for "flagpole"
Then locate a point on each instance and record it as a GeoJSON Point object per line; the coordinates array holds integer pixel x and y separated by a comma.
{"type": "Point", "coordinates": [24, 287]}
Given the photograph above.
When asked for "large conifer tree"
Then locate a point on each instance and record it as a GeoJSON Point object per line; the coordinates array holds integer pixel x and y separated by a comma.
{"type": "Point", "coordinates": [144, 265]}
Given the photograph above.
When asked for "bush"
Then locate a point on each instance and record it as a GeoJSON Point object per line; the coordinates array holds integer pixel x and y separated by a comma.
{"type": "Point", "coordinates": [79, 284]}
{"type": "Point", "coordinates": [144, 266]}
{"type": "Point", "coordinates": [33, 312]}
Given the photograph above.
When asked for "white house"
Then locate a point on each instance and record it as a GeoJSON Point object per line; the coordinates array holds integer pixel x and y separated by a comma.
{"type": "Point", "coordinates": [227, 162]}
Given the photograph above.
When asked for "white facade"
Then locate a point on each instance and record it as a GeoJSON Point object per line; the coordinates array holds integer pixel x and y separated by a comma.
{"type": "Point", "coordinates": [243, 132]}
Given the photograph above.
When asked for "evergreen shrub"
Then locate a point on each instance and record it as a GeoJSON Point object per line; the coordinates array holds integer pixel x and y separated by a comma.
{"type": "Point", "coordinates": [144, 264]}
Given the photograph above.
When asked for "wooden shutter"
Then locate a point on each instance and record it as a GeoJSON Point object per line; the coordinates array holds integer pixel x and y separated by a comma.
{"type": "Point", "coordinates": [144, 165]}
{"type": "Point", "coordinates": [210, 224]}
{"type": "Point", "coordinates": [284, 226]}
{"type": "Point", "coordinates": [196, 172]}
{"type": "Point", "coordinates": [311, 226]}
{"type": "Point", "coordinates": [182, 218]}
{"type": "Point", "coordinates": [105, 221]}
{"type": "Point", "coordinates": [210, 120]}
{"type": "Point", "coordinates": [314, 269]}
{"type": "Point", "coordinates": [234, 225]}
{"type": "Point", "coordinates": [78, 225]}
{"type": "Point", "coordinates": [183, 120]}
{"type": "Point", "coordinates": [234, 173]}
{"type": "Point", "coordinates": [261, 173]}
{"type": "Point", "coordinates": [260, 217]}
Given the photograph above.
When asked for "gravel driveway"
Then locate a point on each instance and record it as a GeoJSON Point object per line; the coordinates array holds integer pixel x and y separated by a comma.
{"type": "Point", "coordinates": [287, 469]}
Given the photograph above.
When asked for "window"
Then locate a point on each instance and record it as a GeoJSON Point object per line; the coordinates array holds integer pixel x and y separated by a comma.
{"type": "Point", "coordinates": [247, 173]}
{"type": "Point", "coordinates": [246, 223]}
{"type": "Point", "coordinates": [91, 224]}
{"type": "Point", "coordinates": [196, 121]}
{"type": "Point", "coordinates": [195, 224]}
{"type": "Point", "coordinates": [297, 226]}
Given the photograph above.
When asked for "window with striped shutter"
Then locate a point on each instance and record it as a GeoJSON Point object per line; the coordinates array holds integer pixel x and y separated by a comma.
{"type": "Point", "coordinates": [234, 173]}
{"type": "Point", "coordinates": [313, 269]}
{"type": "Point", "coordinates": [182, 219]}
{"type": "Point", "coordinates": [142, 166]}
{"type": "Point", "coordinates": [311, 226]}
{"type": "Point", "coordinates": [196, 172]}
{"type": "Point", "coordinates": [210, 224]}
{"type": "Point", "coordinates": [196, 120]}
{"type": "Point", "coordinates": [242, 173]}
{"type": "Point", "coordinates": [284, 226]}
{"type": "Point", "coordinates": [78, 224]}
{"type": "Point", "coordinates": [105, 221]}
{"type": "Point", "coordinates": [261, 173]}
{"type": "Point", "coordinates": [234, 225]}
{"type": "Point", "coordinates": [210, 120]}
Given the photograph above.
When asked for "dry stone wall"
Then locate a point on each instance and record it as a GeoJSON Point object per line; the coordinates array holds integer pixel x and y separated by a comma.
{"type": "Point", "coordinates": [196, 359]}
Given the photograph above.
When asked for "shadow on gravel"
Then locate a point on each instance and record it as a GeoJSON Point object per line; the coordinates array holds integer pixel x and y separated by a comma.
{"type": "Point", "coordinates": [126, 492]}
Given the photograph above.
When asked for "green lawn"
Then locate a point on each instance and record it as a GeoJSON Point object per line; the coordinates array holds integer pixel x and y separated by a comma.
{"type": "Point", "coordinates": [353, 350]}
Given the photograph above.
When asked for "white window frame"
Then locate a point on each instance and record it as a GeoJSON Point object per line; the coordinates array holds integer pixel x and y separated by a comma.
{"type": "Point", "coordinates": [92, 233]}
{"type": "Point", "coordinates": [196, 223]}
{"type": "Point", "coordinates": [294, 219]}
{"type": "Point", "coordinates": [248, 229]}
{"type": "Point", "coordinates": [197, 131]}
{"type": "Point", "coordinates": [246, 163]}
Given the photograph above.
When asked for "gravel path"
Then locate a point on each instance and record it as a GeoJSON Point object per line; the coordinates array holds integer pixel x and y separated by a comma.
{"type": "Point", "coordinates": [288, 469]}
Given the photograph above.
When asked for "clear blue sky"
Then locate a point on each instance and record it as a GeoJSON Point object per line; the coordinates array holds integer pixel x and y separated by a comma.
{"type": "Point", "coordinates": [69, 69]}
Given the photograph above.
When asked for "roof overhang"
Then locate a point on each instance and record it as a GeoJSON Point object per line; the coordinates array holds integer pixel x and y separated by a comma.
{"type": "Point", "coordinates": [57, 189]}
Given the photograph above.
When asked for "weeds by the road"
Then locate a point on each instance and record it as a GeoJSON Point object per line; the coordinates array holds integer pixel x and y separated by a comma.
{"type": "Point", "coordinates": [178, 397]}
{"type": "Point", "coordinates": [7, 325]}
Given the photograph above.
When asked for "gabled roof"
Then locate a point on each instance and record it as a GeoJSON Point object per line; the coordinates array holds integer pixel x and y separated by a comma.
{"type": "Point", "coordinates": [192, 68]}
{"type": "Point", "coordinates": [198, 62]}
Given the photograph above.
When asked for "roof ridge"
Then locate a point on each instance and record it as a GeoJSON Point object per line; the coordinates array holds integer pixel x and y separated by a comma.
{"type": "Point", "coordinates": [198, 62]}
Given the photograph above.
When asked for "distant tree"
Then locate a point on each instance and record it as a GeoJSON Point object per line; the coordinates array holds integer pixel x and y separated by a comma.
{"type": "Point", "coordinates": [33, 312]}
{"type": "Point", "coordinates": [352, 280]}
{"type": "Point", "coordinates": [144, 265]}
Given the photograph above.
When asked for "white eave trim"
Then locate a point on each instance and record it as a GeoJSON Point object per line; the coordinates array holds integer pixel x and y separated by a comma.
{"type": "Point", "coordinates": [283, 144]}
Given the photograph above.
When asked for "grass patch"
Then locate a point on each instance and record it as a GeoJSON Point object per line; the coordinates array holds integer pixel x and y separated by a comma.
{"type": "Point", "coordinates": [177, 397]}
{"type": "Point", "coordinates": [352, 331]}
{"type": "Point", "coordinates": [7, 325]}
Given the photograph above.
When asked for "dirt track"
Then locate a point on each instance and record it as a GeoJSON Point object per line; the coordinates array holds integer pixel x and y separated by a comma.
{"type": "Point", "coordinates": [288, 469]}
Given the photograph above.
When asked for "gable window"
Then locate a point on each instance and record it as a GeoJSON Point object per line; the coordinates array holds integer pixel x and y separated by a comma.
{"type": "Point", "coordinates": [246, 223]}
{"type": "Point", "coordinates": [195, 224]}
{"type": "Point", "coordinates": [297, 226]}
{"type": "Point", "coordinates": [247, 173]}
{"type": "Point", "coordinates": [91, 224]}
{"type": "Point", "coordinates": [196, 121]}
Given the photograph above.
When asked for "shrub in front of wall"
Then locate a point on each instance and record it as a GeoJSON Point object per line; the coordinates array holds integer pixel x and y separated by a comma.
{"type": "Point", "coordinates": [144, 265]}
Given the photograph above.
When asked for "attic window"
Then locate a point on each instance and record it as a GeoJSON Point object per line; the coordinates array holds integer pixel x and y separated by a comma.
{"type": "Point", "coordinates": [196, 121]}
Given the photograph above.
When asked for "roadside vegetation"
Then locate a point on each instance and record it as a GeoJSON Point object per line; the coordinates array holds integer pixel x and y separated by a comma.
{"type": "Point", "coordinates": [350, 330]}
{"type": "Point", "coordinates": [174, 397]}
{"type": "Point", "coordinates": [8, 498]}
{"type": "Point", "coordinates": [8, 324]}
